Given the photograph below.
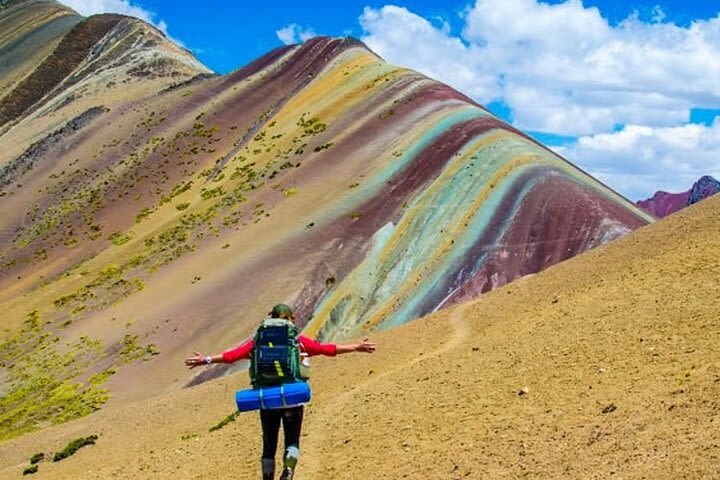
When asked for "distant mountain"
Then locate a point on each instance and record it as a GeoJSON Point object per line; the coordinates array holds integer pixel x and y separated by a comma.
{"type": "Point", "coordinates": [663, 204]}
{"type": "Point", "coordinates": [149, 207]}
{"type": "Point", "coordinates": [51, 57]}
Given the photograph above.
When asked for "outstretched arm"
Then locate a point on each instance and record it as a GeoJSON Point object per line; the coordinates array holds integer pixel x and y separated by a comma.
{"type": "Point", "coordinates": [313, 347]}
{"type": "Point", "coordinates": [363, 346]}
{"type": "Point", "coordinates": [229, 356]}
{"type": "Point", "coordinates": [200, 359]}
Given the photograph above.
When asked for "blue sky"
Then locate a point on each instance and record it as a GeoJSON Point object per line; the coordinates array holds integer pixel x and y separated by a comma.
{"type": "Point", "coordinates": [233, 33]}
{"type": "Point", "coordinates": [627, 90]}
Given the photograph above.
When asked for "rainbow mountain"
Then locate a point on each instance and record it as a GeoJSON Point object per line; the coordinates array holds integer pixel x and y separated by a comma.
{"type": "Point", "coordinates": [150, 207]}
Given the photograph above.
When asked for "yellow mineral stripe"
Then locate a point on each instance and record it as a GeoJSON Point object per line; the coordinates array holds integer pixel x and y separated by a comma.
{"type": "Point", "coordinates": [443, 247]}
{"type": "Point", "coordinates": [381, 312]}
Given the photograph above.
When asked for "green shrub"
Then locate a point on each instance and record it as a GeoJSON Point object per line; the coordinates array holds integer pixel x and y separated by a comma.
{"type": "Point", "coordinates": [323, 147]}
{"type": "Point", "coordinates": [119, 238]}
{"type": "Point", "coordinates": [144, 213]}
{"type": "Point", "coordinates": [74, 446]}
{"type": "Point", "coordinates": [37, 458]}
{"type": "Point", "coordinates": [225, 421]}
{"type": "Point", "coordinates": [30, 470]}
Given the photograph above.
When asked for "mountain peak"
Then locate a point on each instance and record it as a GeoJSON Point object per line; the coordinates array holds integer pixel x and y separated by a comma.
{"type": "Point", "coordinates": [662, 204]}
{"type": "Point", "coordinates": [703, 188]}
{"type": "Point", "coordinates": [82, 55]}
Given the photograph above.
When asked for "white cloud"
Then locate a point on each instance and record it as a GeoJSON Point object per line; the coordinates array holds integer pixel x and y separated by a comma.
{"type": "Point", "coordinates": [404, 38]}
{"type": "Point", "coordinates": [124, 7]}
{"type": "Point", "coordinates": [561, 68]}
{"type": "Point", "coordinates": [639, 160]}
{"type": "Point", "coordinates": [293, 33]}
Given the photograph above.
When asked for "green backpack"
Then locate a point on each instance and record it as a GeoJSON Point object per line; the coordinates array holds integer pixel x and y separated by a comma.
{"type": "Point", "coordinates": [275, 357]}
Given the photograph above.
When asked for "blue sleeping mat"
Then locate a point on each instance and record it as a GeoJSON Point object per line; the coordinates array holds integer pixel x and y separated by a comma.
{"type": "Point", "coordinates": [285, 395]}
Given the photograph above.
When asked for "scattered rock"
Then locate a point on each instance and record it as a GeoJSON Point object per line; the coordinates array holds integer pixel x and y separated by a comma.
{"type": "Point", "coordinates": [609, 408]}
{"type": "Point", "coordinates": [523, 391]}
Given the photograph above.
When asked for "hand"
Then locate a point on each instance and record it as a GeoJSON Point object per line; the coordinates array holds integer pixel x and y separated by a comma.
{"type": "Point", "coordinates": [196, 361]}
{"type": "Point", "coordinates": [365, 346]}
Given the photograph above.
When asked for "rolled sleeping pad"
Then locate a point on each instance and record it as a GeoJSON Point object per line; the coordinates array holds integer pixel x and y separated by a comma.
{"type": "Point", "coordinates": [285, 395]}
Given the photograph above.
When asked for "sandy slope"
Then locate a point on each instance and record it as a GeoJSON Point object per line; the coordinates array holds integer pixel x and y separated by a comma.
{"type": "Point", "coordinates": [634, 324]}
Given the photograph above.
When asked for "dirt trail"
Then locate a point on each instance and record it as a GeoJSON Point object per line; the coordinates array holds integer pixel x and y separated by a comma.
{"type": "Point", "coordinates": [618, 351]}
{"type": "Point", "coordinates": [313, 466]}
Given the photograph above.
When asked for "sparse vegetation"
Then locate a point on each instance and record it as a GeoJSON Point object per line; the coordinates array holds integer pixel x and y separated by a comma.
{"type": "Point", "coordinates": [322, 147]}
{"type": "Point", "coordinates": [176, 190]}
{"type": "Point", "coordinates": [30, 470]}
{"type": "Point", "coordinates": [311, 126]}
{"type": "Point", "coordinates": [74, 446]}
{"type": "Point", "coordinates": [144, 213]}
{"type": "Point", "coordinates": [387, 114]}
{"type": "Point", "coordinates": [79, 195]}
{"type": "Point", "coordinates": [208, 193]}
{"type": "Point", "coordinates": [44, 388]}
{"type": "Point", "coordinates": [224, 421]}
{"type": "Point", "coordinates": [119, 238]}
{"type": "Point", "coordinates": [131, 350]}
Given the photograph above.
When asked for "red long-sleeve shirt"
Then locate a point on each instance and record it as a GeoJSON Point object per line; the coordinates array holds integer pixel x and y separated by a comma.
{"type": "Point", "coordinates": [308, 345]}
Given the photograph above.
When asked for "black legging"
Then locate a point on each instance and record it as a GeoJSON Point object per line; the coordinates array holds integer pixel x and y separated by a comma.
{"type": "Point", "coordinates": [292, 423]}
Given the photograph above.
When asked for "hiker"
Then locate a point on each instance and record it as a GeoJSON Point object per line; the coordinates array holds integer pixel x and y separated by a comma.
{"type": "Point", "coordinates": [290, 417]}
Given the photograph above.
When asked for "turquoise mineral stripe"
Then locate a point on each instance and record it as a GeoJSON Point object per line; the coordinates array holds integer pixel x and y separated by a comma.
{"type": "Point", "coordinates": [493, 157]}
{"type": "Point", "coordinates": [378, 280]}
{"type": "Point", "coordinates": [378, 183]}
{"type": "Point", "coordinates": [464, 242]}
{"type": "Point", "coordinates": [437, 209]}
{"type": "Point", "coordinates": [454, 202]}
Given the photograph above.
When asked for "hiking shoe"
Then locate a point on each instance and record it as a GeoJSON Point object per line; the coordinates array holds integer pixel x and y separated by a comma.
{"type": "Point", "coordinates": [287, 474]}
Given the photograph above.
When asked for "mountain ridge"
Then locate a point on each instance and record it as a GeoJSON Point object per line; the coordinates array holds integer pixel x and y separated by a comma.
{"type": "Point", "coordinates": [94, 47]}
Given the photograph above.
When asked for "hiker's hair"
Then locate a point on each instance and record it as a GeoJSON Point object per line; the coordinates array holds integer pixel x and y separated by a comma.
{"type": "Point", "coordinates": [285, 315]}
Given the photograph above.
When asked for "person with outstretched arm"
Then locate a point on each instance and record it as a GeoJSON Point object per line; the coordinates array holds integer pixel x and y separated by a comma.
{"type": "Point", "coordinates": [290, 417]}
